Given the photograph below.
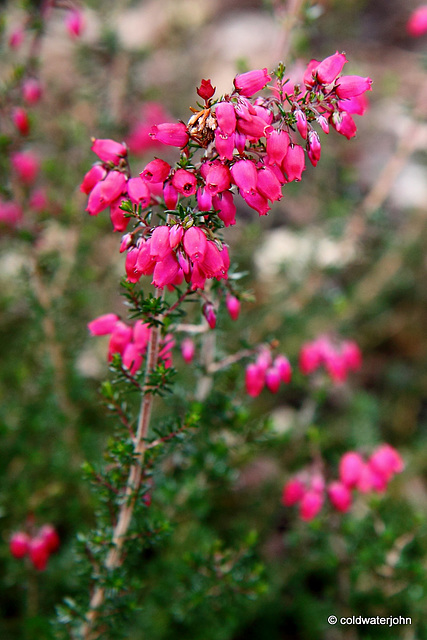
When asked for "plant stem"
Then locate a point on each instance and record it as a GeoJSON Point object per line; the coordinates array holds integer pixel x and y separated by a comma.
{"type": "Point", "coordinates": [114, 557]}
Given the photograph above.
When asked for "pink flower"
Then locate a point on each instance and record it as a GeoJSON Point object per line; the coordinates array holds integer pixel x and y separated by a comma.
{"type": "Point", "coordinates": [176, 234]}
{"type": "Point", "coordinates": [386, 461]}
{"type": "Point", "coordinates": [268, 185]}
{"type": "Point", "coordinates": [21, 120]}
{"type": "Point", "coordinates": [301, 123]}
{"type": "Point", "coordinates": [277, 146]}
{"type": "Point", "coordinates": [210, 315]}
{"type": "Point", "coordinates": [120, 338]}
{"type": "Point", "coordinates": [282, 364]}
{"type": "Point", "coordinates": [118, 218]}
{"type": "Point", "coordinates": [351, 468]}
{"type": "Point", "coordinates": [226, 117]}
{"type": "Point", "coordinates": [16, 38]}
{"type": "Point", "coordinates": [224, 204]}
{"type": "Point", "coordinates": [170, 133]}
{"type": "Point", "coordinates": [141, 335]}
{"type": "Point", "coordinates": [195, 243]}
{"type": "Point", "coordinates": [131, 358]}
{"type": "Point", "coordinates": [184, 182]}
{"type": "Point", "coordinates": [139, 139]}
{"type": "Point", "coordinates": [351, 355]}
{"type": "Point", "coordinates": [188, 350]}
{"type": "Point", "coordinates": [31, 90]}
{"type": "Point", "coordinates": [340, 496]}
{"type": "Point", "coordinates": [244, 174]}
{"type": "Point", "coordinates": [330, 68]}
{"type": "Point", "coordinates": [252, 81]}
{"type": "Point", "coordinates": [38, 201]}
{"type": "Point", "coordinates": [160, 242]}
{"type": "Point", "coordinates": [170, 195]}
{"type": "Point", "coordinates": [217, 178]}
{"type": "Point", "coordinates": [74, 22]}
{"type": "Point", "coordinates": [417, 23]}
{"type": "Point", "coordinates": [204, 199]}
{"type": "Point", "coordinates": [138, 192]}
{"type": "Point", "coordinates": [103, 325]}
{"type": "Point", "coordinates": [224, 144]}
{"type": "Point", "coordinates": [39, 553]}
{"type": "Point", "coordinates": [112, 186]}
{"type": "Point", "coordinates": [256, 201]}
{"type": "Point", "coordinates": [108, 150]}
{"type": "Point", "coordinates": [92, 177]}
{"type": "Point", "coordinates": [254, 380]}
{"type": "Point", "coordinates": [294, 162]}
{"type": "Point", "coordinates": [293, 491]}
{"type": "Point", "coordinates": [309, 359]}
{"type": "Point", "coordinates": [49, 534]}
{"type": "Point", "coordinates": [165, 270]}
{"type": "Point", "coordinates": [156, 171]}
{"type": "Point", "coordinates": [10, 213]}
{"type": "Point", "coordinates": [344, 124]}
{"type": "Point", "coordinates": [233, 306]}
{"type": "Point", "coordinates": [310, 505]}
{"type": "Point", "coordinates": [19, 544]}
{"type": "Point", "coordinates": [272, 379]}
{"type": "Point", "coordinates": [313, 147]}
{"type": "Point", "coordinates": [26, 165]}
{"type": "Point", "coordinates": [351, 86]}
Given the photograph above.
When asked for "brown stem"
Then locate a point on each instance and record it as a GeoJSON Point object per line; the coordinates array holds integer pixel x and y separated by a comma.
{"type": "Point", "coordinates": [115, 555]}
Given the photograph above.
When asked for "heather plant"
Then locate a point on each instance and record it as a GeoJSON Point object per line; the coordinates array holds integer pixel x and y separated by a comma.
{"type": "Point", "coordinates": [175, 539]}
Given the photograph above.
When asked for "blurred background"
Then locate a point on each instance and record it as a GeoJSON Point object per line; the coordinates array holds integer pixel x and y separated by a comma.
{"type": "Point", "coordinates": [342, 253]}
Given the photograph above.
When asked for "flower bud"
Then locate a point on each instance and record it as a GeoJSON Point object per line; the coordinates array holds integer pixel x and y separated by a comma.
{"type": "Point", "coordinates": [210, 315]}
{"type": "Point", "coordinates": [233, 306]}
{"type": "Point", "coordinates": [188, 350]}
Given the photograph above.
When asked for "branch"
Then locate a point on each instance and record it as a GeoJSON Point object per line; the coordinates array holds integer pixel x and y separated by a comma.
{"type": "Point", "coordinates": [115, 555]}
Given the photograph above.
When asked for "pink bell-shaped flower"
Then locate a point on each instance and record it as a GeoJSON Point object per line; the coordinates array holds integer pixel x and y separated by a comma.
{"type": "Point", "coordinates": [340, 496]}
{"type": "Point", "coordinates": [108, 150]}
{"type": "Point", "coordinates": [351, 468]}
{"type": "Point", "coordinates": [156, 171]}
{"type": "Point", "coordinates": [254, 380]}
{"type": "Point", "coordinates": [252, 81]}
{"type": "Point", "coordinates": [224, 204]}
{"type": "Point", "coordinates": [293, 491]}
{"type": "Point", "coordinates": [103, 325]}
{"type": "Point", "coordinates": [170, 133]}
{"type": "Point", "coordinates": [310, 505]}
{"type": "Point", "coordinates": [195, 243]}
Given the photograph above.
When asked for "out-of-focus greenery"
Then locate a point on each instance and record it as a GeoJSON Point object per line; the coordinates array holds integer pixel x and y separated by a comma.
{"type": "Point", "coordinates": [223, 559]}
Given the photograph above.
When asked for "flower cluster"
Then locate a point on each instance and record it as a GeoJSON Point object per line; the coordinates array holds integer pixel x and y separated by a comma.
{"type": "Point", "coordinates": [308, 490]}
{"type": "Point", "coordinates": [38, 547]}
{"type": "Point", "coordinates": [130, 342]}
{"type": "Point", "coordinates": [338, 358]}
{"type": "Point", "coordinates": [250, 146]}
{"type": "Point", "coordinates": [267, 372]}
